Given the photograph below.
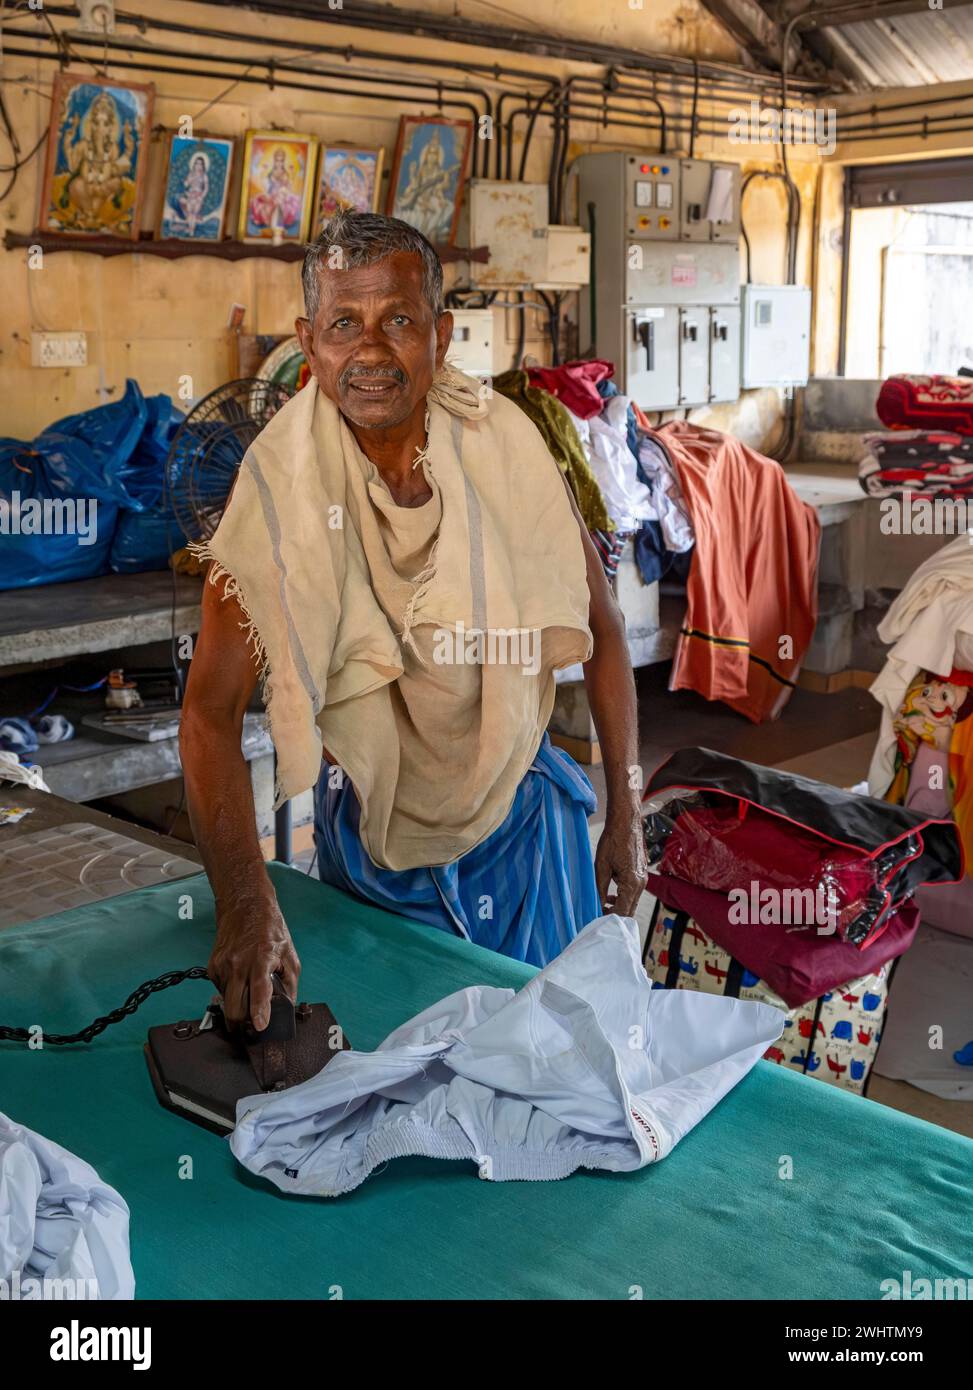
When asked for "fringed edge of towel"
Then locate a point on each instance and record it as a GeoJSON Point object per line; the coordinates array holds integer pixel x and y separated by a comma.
{"type": "Point", "coordinates": [231, 589]}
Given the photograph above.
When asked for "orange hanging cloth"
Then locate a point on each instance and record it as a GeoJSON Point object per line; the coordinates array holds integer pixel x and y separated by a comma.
{"type": "Point", "coordinates": [752, 589]}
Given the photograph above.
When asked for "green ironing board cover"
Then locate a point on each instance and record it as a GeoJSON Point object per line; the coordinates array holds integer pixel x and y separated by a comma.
{"type": "Point", "coordinates": [872, 1193]}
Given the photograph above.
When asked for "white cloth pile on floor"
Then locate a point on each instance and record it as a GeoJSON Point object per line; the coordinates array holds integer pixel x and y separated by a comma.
{"type": "Point", "coordinates": [585, 1067]}
{"type": "Point", "coordinates": [63, 1232]}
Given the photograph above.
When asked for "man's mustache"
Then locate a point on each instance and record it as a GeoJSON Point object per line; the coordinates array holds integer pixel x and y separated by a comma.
{"type": "Point", "coordinates": [349, 374]}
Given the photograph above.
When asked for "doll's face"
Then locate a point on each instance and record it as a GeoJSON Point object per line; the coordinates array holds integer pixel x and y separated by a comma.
{"type": "Point", "coordinates": [940, 700]}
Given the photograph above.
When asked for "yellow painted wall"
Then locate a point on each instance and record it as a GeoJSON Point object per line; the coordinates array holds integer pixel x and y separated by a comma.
{"type": "Point", "coordinates": [159, 320]}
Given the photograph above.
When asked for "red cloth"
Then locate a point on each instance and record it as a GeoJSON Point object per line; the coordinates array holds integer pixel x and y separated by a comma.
{"type": "Point", "coordinates": [718, 847]}
{"type": "Point", "coordinates": [798, 965]}
{"type": "Point", "coordinates": [753, 579]}
{"type": "Point", "coordinates": [927, 403]}
{"type": "Point", "coordinates": [575, 384]}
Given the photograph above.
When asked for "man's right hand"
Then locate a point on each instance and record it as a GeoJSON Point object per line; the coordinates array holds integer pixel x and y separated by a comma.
{"type": "Point", "coordinates": [252, 945]}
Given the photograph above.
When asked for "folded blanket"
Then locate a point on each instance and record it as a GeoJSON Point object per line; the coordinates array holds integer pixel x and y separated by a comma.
{"type": "Point", "coordinates": [927, 402]}
{"type": "Point", "coordinates": [937, 463]}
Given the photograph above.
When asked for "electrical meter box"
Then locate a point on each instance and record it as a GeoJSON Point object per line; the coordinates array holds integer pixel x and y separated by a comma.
{"type": "Point", "coordinates": [665, 299]}
{"type": "Point", "coordinates": [567, 258]}
{"type": "Point", "coordinates": [511, 219]}
{"type": "Point", "coordinates": [776, 335]}
{"type": "Point", "coordinates": [471, 348]}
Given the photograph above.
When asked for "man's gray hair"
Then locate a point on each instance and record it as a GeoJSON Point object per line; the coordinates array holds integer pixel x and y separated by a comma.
{"type": "Point", "coordinates": [361, 238]}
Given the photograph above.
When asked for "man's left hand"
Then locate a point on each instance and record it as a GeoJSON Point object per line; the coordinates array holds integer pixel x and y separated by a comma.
{"type": "Point", "coordinates": [621, 856]}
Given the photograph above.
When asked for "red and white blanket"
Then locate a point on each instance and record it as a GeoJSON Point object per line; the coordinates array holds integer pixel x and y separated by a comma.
{"type": "Point", "coordinates": [927, 402]}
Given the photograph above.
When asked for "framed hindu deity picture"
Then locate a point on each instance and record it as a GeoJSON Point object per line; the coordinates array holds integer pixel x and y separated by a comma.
{"type": "Point", "coordinates": [432, 157]}
{"type": "Point", "coordinates": [197, 184]}
{"type": "Point", "coordinates": [348, 177]}
{"type": "Point", "coordinates": [278, 186]}
{"type": "Point", "coordinates": [97, 151]}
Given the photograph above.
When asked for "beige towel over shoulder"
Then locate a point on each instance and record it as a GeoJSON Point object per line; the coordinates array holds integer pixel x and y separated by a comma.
{"type": "Point", "coordinates": [435, 751]}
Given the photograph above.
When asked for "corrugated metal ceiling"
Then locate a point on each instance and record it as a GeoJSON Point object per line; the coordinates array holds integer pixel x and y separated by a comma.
{"type": "Point", "coordinates": [909, 50]}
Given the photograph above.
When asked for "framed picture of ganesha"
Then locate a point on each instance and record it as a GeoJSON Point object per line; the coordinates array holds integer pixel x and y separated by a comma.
{"type": "Point", "coordinates": [97, 151]}
{"type": "Point", "coordinates": [278, 186]}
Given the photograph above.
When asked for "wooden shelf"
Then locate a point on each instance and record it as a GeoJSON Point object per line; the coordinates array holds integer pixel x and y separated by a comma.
{"type": "Point", "coordinates": [174, 250]}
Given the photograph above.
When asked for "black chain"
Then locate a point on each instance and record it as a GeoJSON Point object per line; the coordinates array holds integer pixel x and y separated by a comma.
{"type": "Point", "coordinates": [135, 1000]}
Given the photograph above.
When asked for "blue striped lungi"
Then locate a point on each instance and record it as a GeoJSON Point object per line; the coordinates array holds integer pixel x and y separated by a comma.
{"type": "Point", "coordinates": [525, 891]}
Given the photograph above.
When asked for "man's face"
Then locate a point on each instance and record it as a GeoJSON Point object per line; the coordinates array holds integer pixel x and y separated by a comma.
{"type": "Point", "coordinates": [375, 342]}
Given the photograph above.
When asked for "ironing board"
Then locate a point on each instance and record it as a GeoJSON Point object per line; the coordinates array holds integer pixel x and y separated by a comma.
{"type": "Point", "coordinates": [873, 1192]}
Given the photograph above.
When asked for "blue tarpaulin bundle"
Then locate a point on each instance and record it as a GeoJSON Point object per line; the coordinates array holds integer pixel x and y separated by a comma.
{"type": "Point", "coordinates": [87, 495]}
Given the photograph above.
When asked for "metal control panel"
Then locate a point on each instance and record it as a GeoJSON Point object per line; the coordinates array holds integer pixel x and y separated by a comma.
{"type": "Point", "coordinates": [710, 207]}
{"type": "Point", "coordinates": [652, 198]}
{"type": "Point", "coordinates": [665, 306]}
{"type": "Point", "coordinates": [776, 335]}
{"type": "Point", "coordinates": [525, 250]}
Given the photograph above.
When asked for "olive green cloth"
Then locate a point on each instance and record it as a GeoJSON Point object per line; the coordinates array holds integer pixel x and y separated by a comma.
{"type": "Point", "coordinates": [561, 438]}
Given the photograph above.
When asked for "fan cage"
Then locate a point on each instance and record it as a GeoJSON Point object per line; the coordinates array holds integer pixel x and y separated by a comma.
{"type": "Point", "coordinates": [208, 448]}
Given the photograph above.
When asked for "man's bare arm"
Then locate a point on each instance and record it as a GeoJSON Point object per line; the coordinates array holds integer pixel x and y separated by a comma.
{"type": "Point", "coordinates": [252, 940]}
{"type": "Point", "coordinates": [611, 694]}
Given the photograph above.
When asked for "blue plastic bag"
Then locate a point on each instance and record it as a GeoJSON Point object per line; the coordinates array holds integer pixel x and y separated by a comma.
{"type": "Point", "coordinates": [64, 495]}
{"type": "Point", "coordinates": [148, 530]}
{"type": "Point", "coordinates": [53, 527]}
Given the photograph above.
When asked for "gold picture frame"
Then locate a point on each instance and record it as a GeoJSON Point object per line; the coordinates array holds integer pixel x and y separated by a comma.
{"type": "Point", "coordinates": [278, 184]}
{"type": "Point", "coordinates": [348, 176]}
{"type": "Point", "coordinates": [97, 154]}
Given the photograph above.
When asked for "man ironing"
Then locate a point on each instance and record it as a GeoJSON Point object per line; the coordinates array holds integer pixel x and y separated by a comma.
{"type": "Point", "coordinates": [403, 565]}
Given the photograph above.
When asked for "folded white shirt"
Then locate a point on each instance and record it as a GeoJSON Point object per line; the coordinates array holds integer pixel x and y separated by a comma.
{"type": "Point", "coordinates": [586, 1066]}
{"type": "Point", "coordinates": [61, 1227]}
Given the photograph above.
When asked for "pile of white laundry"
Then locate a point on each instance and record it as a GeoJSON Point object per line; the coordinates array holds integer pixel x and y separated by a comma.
{"type": "Point", "coordinates": [669, 505]}
{"type": "Point", "coordinates": [585, 1067]}
{"type": "Point", "coordinates": [604, 440]}
{"type": "Point", "coordinates": [63, 1232]}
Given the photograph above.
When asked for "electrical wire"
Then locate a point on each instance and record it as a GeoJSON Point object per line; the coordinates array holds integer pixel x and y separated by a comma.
{"type": "Point", "coordinates": [793, 215]}
{"type": "Point", "coordinates": [553, 307]}
{"type": "Point", "coordinates": [694, 111]}
{"type": "Point", "coordinates": [79, 689]}
{"type": "Point", "coordinates": [138, 996]}
{"type": "Point", "coordinates": [19, 162]}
